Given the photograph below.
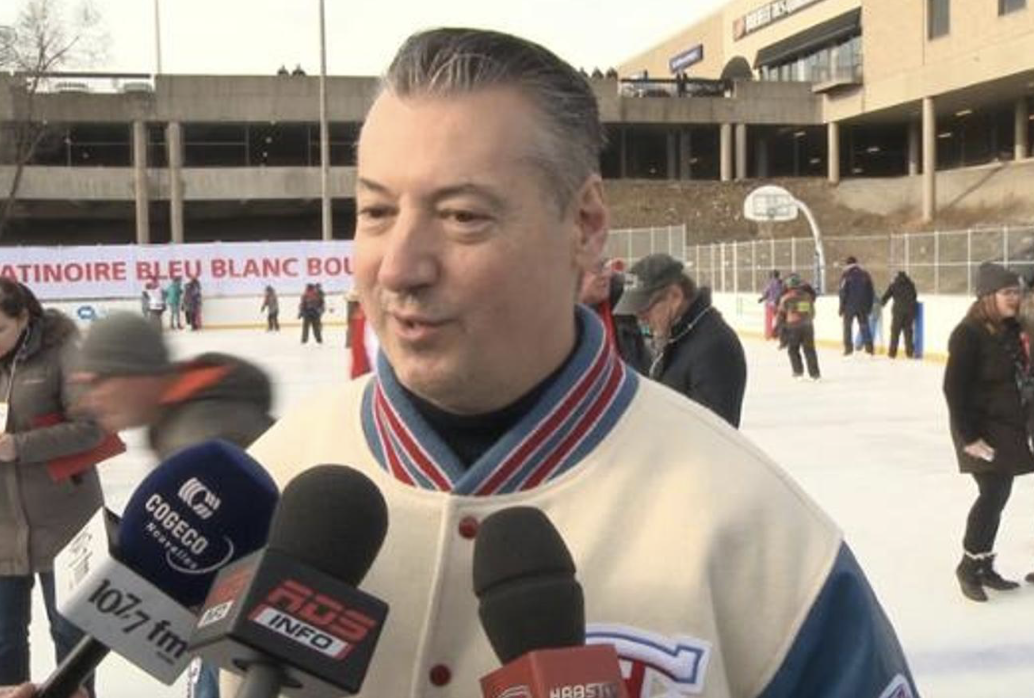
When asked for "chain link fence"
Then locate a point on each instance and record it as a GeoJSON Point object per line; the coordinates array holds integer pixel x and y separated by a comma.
{"type": "Point", "coordinates": [938, 262]}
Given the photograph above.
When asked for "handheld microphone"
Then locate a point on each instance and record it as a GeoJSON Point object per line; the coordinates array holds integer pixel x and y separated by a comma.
{"type": "Point", "coordinates": [289, 617]}
{"type": "Point", "coordinates": [533, 612]}
{"type": "Point", "coordinates": [126, 584]}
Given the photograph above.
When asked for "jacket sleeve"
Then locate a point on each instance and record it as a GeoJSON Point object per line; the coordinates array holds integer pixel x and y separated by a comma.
{"type": "Point", "coordinates": [959, 375]}
{"type": "Point", "coordinates": [887, 294]}
{"type": "Point", "coordinates": [74, 435]}
{"type": "Point", "coordinates": [846, 647]}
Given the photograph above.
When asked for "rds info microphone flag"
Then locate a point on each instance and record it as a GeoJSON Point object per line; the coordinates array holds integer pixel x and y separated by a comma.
{"type": "Point", "coordinates": [289, 618]}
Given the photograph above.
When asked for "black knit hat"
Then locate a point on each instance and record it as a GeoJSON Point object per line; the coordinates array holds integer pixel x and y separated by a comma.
{"type": "Point", "coordinates": [993, 277]}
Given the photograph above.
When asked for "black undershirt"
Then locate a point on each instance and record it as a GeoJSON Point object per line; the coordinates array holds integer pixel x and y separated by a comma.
{"type": "Point", "coordinates": [469, 436]}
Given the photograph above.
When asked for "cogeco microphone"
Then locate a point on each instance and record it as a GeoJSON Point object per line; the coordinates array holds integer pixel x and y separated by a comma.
{"type": "Point", "coordinates": [289, 618]}
{"type": "Point", "coordinates": [128, 584]}
{"type": "Point", "coordinates": [533, 612]}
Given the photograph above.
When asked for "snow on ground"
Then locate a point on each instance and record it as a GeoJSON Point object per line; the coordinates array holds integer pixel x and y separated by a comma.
{"type": "Point", "coordinates": [869, 443]}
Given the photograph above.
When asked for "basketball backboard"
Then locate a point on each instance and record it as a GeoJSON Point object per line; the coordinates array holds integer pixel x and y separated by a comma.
{"type": "Point", "coordinates": [770, 204]}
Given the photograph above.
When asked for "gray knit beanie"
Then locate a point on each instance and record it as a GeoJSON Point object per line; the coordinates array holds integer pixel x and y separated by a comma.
{"type": "Point", "coordinates": [993, 277]}
{"type": "Point", "coordinates": [124, 344]}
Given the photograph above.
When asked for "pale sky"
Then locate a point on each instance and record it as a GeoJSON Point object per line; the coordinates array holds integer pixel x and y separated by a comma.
{"type": "Point", "coordinates": [257, 36]}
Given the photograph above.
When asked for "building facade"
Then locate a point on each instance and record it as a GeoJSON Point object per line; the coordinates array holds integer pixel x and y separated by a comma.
{"type": "Point", "coordinates": [906, 86]}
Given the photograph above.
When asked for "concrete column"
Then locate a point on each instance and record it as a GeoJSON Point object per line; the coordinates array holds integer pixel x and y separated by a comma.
{"type": "Point", "coordinates": [726, 152]}
{"type": "Point", "coordinates": [833, 152]}
{"type": "Point", "coordinates": [143, 221]}
{"type": "Point", "coordinates": [929, 160]}
{"type": "Point", "coordinates": [761, 157]}
{"type": "Point", "coordinates": [914, 139]}
{"type": "Point", "coordinates": [741, 151]}
{"type": "Point", "coordinates": [685, 154]}
{"type": "Point", "coordinates": [174, 145]}
{"type": "Point", "coordinates": [1022, 115]}
{"type": "Point", "coordinates": [672, 160]}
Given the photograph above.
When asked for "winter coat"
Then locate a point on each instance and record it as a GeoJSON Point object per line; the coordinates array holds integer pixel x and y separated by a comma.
{"type": "Point", "coordinates": [980, 385]}
{"type": "Point", "coordinates": [856, 291]}
{"type": "Point", "coordinates": [773, 292]}
{"type": "Point", "coordinates": [214, 396]}
{"type": "Point", "coordinates": [703, 359]}
{"type": "Point", "coordinates": [37, 515]}
{"type": "Point", "coordinates": [271, 303]}
{"type": "Point", "coordinates": [174, 294]}
{"type": "Point", "coordinates": [797, 306]}
{"type": "Point", "coordinates": [903, 291]}
{"type": "Point", "coordinates": [192, 296]}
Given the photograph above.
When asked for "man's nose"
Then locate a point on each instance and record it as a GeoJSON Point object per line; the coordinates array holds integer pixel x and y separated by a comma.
{"type": "Point", "coordinates": [410, 257]}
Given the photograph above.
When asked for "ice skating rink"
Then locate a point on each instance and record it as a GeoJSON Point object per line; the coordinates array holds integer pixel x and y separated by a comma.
{"type": "Point", "coordinates": [869, 442]}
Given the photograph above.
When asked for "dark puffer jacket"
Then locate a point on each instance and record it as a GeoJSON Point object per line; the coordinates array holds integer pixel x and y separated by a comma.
{"type": "Point", "coordinates": [215, 396]}
{"type": "Point", "coordinates": [704, 360]}
{"type": "Point", "coordinates": [983, 397]}
{"type": "Point", "coordinates": [38, 516]}
{"type": "Point", "coordinates": [856, 291]}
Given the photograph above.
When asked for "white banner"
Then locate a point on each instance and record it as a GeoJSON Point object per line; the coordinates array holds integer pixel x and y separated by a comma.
{"type": "Point", "coordinates": [223, 268]}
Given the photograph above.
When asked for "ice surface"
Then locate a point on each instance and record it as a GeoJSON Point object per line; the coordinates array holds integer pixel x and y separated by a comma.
{"type": "Point", "coordinates": [869, 442]}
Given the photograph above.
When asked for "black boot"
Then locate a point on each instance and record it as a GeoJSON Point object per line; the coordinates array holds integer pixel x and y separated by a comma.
{"type": "Point", "coordinates": [991, 579]}
{"type": "Point", "coordinates": [968, 573]}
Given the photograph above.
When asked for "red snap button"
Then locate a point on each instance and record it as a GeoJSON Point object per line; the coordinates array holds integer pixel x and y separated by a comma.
{"type": "Point", "coordinates": [440, 675]}
{"type": "Point", "coordinates": [468, 527]}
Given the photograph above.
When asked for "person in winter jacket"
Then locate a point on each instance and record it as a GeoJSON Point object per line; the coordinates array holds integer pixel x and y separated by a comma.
{"type": "Point", "coordinates": [796, 317]}
{"type": "Point", "coordinates": [192, 303]}
{"type": "Point", "coordinates": [131, 382]}
{"type": "Point", "coordinates": [989, 390]}
{"type": "Point", "coordinates": [271, 304]}
{"type": "Point", "coordinates": [173, 300]}
{"type": "Point", "coordinates": [38, 514]}
{"type": "Point", "coordinates": [773, 292]}
{"type": "Point", "coordinates": [310, 311]}
{"type": "Point", "coordinates": [601, 290]}
{"type": "Point", "coordinates": [903, 313]}
{"type": "Point", "coordinates": [695, 352]}
{"type": "Point", "coordinates": [856, 299]}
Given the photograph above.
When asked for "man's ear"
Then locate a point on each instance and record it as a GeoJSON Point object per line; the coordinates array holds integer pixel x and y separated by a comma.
{"type": "Point", "coordinates": [592, 221]}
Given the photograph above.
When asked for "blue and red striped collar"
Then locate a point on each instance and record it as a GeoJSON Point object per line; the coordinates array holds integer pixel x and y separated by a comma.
{"type": "Point", "coordinates": [574, 414]}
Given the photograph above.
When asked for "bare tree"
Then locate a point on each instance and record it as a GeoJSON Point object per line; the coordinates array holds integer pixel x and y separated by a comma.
{"type": "Point", "coordinates": [45, 37]}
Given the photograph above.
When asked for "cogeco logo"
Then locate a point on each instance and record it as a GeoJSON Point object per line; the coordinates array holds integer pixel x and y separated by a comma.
{"type": "Point", "coordinates": [200, 498]}
{"type": "Point", "coordinates": [182, 541]}
{"type": "Point", "coordinates": [313, 619]}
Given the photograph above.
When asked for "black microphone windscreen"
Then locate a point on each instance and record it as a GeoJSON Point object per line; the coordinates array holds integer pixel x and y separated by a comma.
{"type": "Point", "coordinates": [200, 509]}
{"type": "Point", "coordinates": [333, 518]}
{"type": "Point", "coordinates": [524, 580]}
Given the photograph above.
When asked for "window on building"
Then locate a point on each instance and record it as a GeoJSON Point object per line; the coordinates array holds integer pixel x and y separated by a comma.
{"type": "Point", "coordinates": [938, 18]}
{"type": "Point", "coordinates": [1007, 6]}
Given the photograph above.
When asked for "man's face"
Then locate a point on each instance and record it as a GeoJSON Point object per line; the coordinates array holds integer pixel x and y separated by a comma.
{"type": "Point", "coordinates": [120, 402]}
{"type": "Point", "coordinates": [465, 265]}
{"type": "Point", "coordinates": [596, 284]}
{"type": "Point", "coordinates": [661, 313]}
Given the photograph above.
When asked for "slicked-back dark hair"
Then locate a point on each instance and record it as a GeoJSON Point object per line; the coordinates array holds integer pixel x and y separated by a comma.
{"type": "Point", "coordinates": [451, 61]}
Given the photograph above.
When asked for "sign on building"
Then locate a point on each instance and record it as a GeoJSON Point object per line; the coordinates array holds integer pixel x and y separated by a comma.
{"type": "Point", "coordinates": [765, 15]}
{"type": "Point", "coordinates": [681, 61]}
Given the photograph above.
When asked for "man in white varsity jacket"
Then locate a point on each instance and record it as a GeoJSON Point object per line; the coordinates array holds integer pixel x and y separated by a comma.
{"type": "Point", "coordinates": [479, 204]}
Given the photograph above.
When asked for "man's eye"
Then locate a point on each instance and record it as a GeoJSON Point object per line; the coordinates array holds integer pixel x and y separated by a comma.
{"type": "Point", "coordinates": [462, 216]}
{"type": "Point", "coordinates": [374, 211]}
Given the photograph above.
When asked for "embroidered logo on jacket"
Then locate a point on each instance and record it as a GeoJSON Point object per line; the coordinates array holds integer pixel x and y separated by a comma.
{"type": "Point", "coordinates": [655, 665]}
{"type": "Point", "coordinates": [898, 688]}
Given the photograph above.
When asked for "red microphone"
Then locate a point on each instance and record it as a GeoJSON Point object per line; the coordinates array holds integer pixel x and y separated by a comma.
{"type": "Point", "coordinates": [533, 613]}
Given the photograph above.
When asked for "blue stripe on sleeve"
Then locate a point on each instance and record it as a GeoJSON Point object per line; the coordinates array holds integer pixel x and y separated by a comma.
{"type": "Point", "coordinates": [847, 647]}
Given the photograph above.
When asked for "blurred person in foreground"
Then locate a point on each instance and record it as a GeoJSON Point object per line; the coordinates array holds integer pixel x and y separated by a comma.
{"type": "Point", "coordinates": [797, 317]}
{"type": "Point", "coordinates": [130, 381]}
{"type": "Point", "coordinates": [40, 510]}
{"type": "Point", "coordinates": [695, 352]}
{"type": "Point", "coordinates": [480, 206]}
{"type": "Point", "coordinates": [601, 289]}
{"type": "Point", "coordinates": [990, 394]}
{"type": "Point", "coordinates": [856, 300]}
